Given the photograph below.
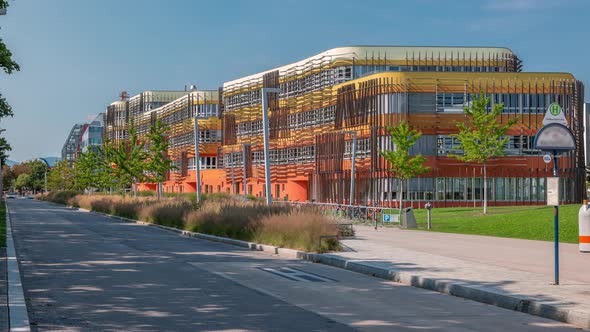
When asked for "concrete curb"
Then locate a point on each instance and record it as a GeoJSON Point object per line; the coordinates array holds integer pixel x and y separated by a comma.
{"type": "Point", "coordinates": [17, 307]}
{"type": "Point", "coordinates": [456, 288]}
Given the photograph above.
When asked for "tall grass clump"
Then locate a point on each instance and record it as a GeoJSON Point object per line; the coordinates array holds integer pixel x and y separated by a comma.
{"type": "Point", "coordinates": [300, 230]}
{"type": "Point", "coordinates": [221, 215]}
{"type": "Point", "coordinates": [60, 197]}
{"type": "Point", "coordinates": [235, 219]}
{"type": "Point", "coordinates": [169, 212]}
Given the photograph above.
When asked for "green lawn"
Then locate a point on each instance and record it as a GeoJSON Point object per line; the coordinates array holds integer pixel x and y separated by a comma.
{"type": "Point", "coordinates": [2, 224]}
{"type": "Point", "coordinates": [523, 222]}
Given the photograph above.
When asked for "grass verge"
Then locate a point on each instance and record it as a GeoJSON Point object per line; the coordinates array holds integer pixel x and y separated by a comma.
{"type": "Point", "coordinates": [522, 222]}
{"type": "Point", "coordinates": [220, 215]}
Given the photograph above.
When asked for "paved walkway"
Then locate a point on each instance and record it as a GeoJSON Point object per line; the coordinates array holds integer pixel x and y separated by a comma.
{"type": "Point", "coordinates": [508, 266]}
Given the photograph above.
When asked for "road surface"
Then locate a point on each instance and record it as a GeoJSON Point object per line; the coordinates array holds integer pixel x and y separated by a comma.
{"type": "Point", "coordinates": [83, 272]}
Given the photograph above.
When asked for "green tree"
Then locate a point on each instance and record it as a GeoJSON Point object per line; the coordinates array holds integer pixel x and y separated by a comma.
{"type": "Point", "coordinates": [38, 170]}
{"type": "Point", "coordinates": [482, 137]}
{"type": "Point", "coordinates": [61, 177]}
{"type": "Point", "coordinates": [9, 66]}
{"type": "Point", "coordinates": [129, 158]}
{"type": "Point", "coordinates": [8, 177]}
{"type": "Point", "coordinates": [115, 177]}
{"type": "Point", "coordinates": [84, 177]}
{"type": "Point", "coordinates": [158, 162]}
{"type": "Point", "coordinates": [23, 181]}
{"type": "Point", "coordinates": [403, 164]}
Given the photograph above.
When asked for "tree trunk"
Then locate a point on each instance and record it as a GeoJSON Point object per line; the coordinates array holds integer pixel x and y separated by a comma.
{"type": "Point", "coordinates": [135, 186]}
{"type": "Point", "coordinates": [485, 190]}
{"type": "Point", "coordinates": [159, 190]}
{"type": "Point", "coordinates": [401, 196]}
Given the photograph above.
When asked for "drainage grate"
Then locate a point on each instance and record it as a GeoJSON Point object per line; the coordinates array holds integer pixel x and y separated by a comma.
{"type": "Point", "coordinates": [296, 275]}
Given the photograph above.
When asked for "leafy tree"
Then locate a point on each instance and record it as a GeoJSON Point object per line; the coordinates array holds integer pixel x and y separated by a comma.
{"type": "Point", "coordinates": [404, 165]}
{"type": "Point", "coordinates": [158, 162]}
{"type": "Point", "coordinates": [85, 171]}
{"type": "Point", "coordinates": [128, 158]}
{"type": "Point", "coordinates": [132, 157]}
{"type": "Point", "coordinates": [9, 66]}
{"type": "Point", "coordinates": [4, 149]}
{"type": "Point", "coordinates": [61, 177]}
{"type": "Point", "coordinates": [8, 176]}
{"type": "Point", "coordinates": [38, 169]}
{"type": "Point", "coordinates": [23, 181]}
{"type": "Point", "coordinates": [113, 176]}
{"type": "Point", "coordinates": [482, 138]}
{"type": "Point", "coordinates": [19, 169]}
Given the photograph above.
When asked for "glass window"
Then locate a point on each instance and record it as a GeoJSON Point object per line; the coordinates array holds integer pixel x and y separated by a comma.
{"type": "Point", "coordinates": [500, 189]}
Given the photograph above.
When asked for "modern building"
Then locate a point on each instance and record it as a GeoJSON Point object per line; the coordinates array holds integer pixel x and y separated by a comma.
{"type": "Point", "coordinates": [177, 110]}
{"type": "Point", "coordinates": [364, 89]}
{"type": "Point", "coordinates": [72, 146]}
{"type": "Point", "coordinates": [92, 134]}
{"type": "Point", "coordinates": [326, 98]}
{"type": "Point", "coordinates": [120, 113]}
{"type": "Point", "coordinates": [179, 116]}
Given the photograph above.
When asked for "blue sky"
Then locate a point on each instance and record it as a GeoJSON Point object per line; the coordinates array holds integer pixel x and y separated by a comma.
{"type": "Point", "coordinates": [77, 56]}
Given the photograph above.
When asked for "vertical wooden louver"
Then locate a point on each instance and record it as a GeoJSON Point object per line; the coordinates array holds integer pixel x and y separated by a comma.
{"type": "Point", "coordinates": [229, 129]}
{"type": "Point", "coordinates": [329, 152]}
{"type": "Point", "coordinates": [248, 160]}
{"type": "Point", "coordinates": [278, 126]}
{"type": "Point", "coordinates": [220, 107]}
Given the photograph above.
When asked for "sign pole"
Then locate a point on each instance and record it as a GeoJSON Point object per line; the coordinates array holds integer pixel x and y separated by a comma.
{"type": "Point", "coordinates": [557, 137]}
{"type": "Point", "coordinates": [556, 223]}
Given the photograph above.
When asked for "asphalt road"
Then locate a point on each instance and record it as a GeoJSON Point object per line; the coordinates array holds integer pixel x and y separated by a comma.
{"type": "Point", "coordinates": [86, 272]}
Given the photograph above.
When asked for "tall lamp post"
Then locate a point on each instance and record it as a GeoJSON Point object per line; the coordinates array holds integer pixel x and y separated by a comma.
{"type": "Point", "coordinates": [46, 163]}
{"type": "Point", "coordinates": [244, 156]}
{"type": "Point", "coordinates": [197, 156]}
{"type": "Point", "coordinates": [353, 164]}
{"type": "Point", "coordinates": [264, 92]}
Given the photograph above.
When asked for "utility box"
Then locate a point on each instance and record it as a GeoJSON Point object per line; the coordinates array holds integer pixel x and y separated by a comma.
{"type": "Point", "coordinates": [408, 219]}
{"type": "Point", "coordinates": [584, 228]}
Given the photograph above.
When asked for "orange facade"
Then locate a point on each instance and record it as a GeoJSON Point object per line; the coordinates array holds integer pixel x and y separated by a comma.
{"type": "Point", "coordinates": [325, 98]}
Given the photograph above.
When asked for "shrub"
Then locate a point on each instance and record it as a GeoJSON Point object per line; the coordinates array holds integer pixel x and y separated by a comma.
{"type": "Point", "coordinates": [127, 207]}
{"type": "Point", "coordinates": [222, 220]}
{"type": "Point", "coordinates": [169, 213]}
{"type": "Point", "coordinates": [219, 214]}
{"type": "Point", "coordinates": [60, 197]}
{"type": "Point", "coordinates": [100, 204]}
{"type": "Point", "coordinates": [298, 230]}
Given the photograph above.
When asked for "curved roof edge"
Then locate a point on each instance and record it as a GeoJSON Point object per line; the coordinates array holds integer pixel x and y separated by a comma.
{"type": "Point", "coordinates": [362, 52]}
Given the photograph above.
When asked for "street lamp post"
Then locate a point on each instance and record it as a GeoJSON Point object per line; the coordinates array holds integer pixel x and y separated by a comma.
{"type": "Point", "coordinates": [353, 165]}
{"type": "Point", "coordinates": [47, 164]}
{"type": "Point", "coordinates": [197, 157]}
{"type": "Point", "coordinates": [264, 91]}
{"type": "Point", "coordinates": [244, 167]}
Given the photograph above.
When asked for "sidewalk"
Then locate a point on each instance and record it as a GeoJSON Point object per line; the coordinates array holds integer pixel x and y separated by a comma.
{"type": "Point", "coordinates": [522, 269]}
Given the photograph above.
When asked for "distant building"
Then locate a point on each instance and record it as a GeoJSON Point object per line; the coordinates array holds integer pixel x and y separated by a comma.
{"type": "Point", "coordinates": [71, 147]}
{"type": "Point", "coordinates": [120, 113]}
{"type": "Point", "coordinates": [92, 134]}
{"type": "Point", "coordinates": [177, 110]}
